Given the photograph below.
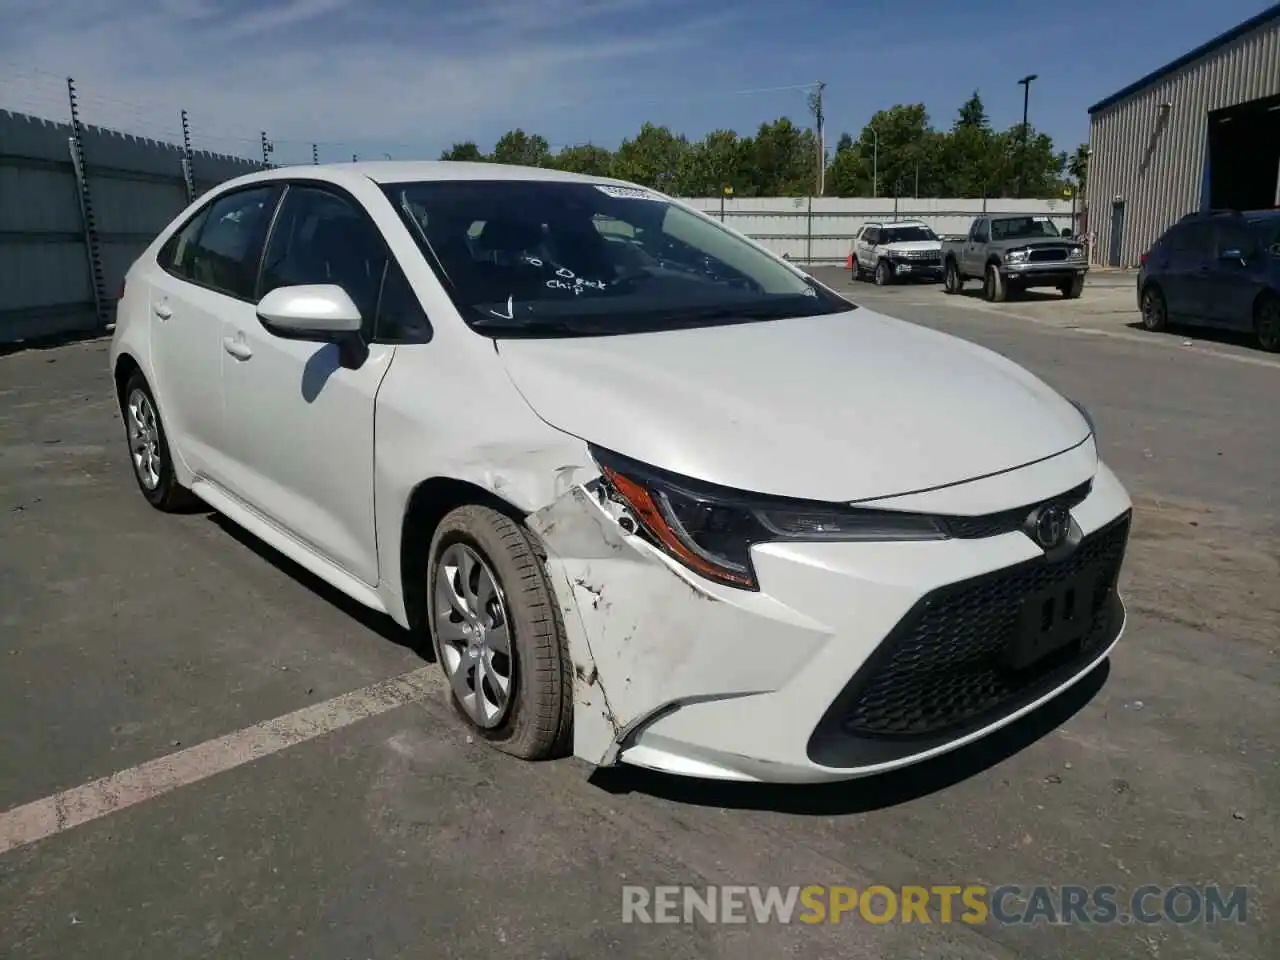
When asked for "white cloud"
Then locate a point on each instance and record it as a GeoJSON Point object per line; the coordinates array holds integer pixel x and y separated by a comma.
{"type": "Point", "coordinates": [335, 71]}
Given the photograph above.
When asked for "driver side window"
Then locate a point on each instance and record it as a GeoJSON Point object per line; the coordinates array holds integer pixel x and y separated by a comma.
{"type": "Point", "coordinates": [323, 237]}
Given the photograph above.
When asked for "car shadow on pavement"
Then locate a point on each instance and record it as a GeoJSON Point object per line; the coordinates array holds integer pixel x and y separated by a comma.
{"type": "Point", "coordinates": [379, 623]}
{"type": "Point", "coordinates": [868, 793]}
{"type": "Point", "coordinates": [1234, 338]}
{"type": "Point", "coordinates": [1026, 296]}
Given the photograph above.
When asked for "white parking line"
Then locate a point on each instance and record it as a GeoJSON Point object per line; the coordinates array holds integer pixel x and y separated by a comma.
{"type": "Point", "coordinates": [71, 808]}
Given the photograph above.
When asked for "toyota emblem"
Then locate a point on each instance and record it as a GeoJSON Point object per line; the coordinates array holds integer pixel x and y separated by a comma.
{"type": "Point", "coordinates": [1049, 526]}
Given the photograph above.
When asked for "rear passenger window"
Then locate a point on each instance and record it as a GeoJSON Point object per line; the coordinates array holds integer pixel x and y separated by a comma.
{"type": "Point", "coordinates": [224, 256]}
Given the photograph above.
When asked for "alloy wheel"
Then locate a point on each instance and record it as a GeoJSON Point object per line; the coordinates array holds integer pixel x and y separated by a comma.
{"type": "Point", "coordinates": [1268, 325]}
{"type": "Point", "coordinates": [473, 629]}
{"type": "Point", "coordinates": [144, 439]}
{"type": "Point", "coordinates": [1152, 310]}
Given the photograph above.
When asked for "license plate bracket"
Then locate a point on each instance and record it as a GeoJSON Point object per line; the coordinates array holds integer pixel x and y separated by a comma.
{"type": "Point", "coordinates": [1054, 617]}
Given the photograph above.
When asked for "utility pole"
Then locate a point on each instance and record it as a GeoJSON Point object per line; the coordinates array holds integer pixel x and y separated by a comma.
{"type": "Point", "coordinates": [1025, 83]}
{"type": "Point", "coordinates": [820, 123]}
{"type": "Point", "coordinates": [875, 162]}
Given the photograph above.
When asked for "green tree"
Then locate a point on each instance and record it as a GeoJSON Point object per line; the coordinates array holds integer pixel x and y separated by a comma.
{"type": "Point", "coordinates": [973, 114]}
{"type": "Point", "coordinates": [784, 160]}
{"type": "Point", "coordinates": [718, 160]}
{"type": "Point", "coordinates": [849, 173]}
{"type": "Point", "coordinates": [522, 149]}
{"type": "Point", "coordinates": [902, 133]}
{"type": "Point", "coordinates": [467, 150]}
{"type": "Point", "coordinates": [1078, 166]}
{"type": "Point", "coordinates": [651, 158]}
{"type": "Point", "coordinates": [585, 158]}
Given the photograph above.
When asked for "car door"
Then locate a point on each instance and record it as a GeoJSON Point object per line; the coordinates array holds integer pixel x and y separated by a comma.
{"type": "Point", "coordinates": [1186, 271]}
{"type": "Point", "coordinates": [1237, 271]}
{"type": "Point", "coordinates": [299, 423]}
{"type": "Point", "coordinates": [973, 261]}
{"type": "Point", "coordinates": [865, 250]}
{"type": "Point", "coordinates": [207, 267]}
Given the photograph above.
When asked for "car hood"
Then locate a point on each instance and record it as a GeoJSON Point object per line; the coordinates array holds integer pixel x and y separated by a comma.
{"type": "Point", "coordinates": [904, 246]}
{"type": "Point", "coordinates": [842, 407]}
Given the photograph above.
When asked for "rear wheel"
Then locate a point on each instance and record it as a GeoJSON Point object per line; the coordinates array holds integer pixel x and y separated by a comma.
{"type": "Point", "coordinates": [1266, 323]}
{"type": "Point", "coordinates": [1155, 315]}
{"type": "Point", "coordinates": [952, 282]}
{"type": "Point", "coordinates": [149, 448]}
{"type": "Point", "coordinates": [497, 634]}
{"type": "Point", "coordinates": [993, 285]}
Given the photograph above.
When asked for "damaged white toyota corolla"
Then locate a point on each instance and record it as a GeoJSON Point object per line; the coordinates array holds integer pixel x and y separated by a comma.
{"type": "Point", "coordinates": [656, 496]}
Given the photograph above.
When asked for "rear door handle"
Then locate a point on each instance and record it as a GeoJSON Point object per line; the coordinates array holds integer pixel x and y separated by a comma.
{"type": "Point", "coordinates": [237, 348]}
{"type": "Point", "coordinates": [162, 310]}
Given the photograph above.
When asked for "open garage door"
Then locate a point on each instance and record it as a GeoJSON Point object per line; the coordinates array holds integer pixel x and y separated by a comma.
{"type": "Point", "coordinates": [1244, 156]}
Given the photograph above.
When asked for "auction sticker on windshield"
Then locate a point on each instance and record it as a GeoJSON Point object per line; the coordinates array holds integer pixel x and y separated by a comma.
{"type": "Point", "coordinates": [626, 193]}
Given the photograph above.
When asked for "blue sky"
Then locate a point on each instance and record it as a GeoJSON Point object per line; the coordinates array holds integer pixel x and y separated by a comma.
{"type": "Point", "coordinates": [407, 78]}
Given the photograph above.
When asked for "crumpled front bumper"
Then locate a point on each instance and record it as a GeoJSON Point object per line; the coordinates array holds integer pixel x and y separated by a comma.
{"type": "Point", "coordinates": [677, 674]}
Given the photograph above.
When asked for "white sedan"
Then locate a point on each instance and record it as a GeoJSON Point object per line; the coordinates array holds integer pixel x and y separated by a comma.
{"type": "Point", "coordinates": [656, 496]}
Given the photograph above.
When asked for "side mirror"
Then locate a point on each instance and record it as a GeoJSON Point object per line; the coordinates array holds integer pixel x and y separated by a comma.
{"type": "Point", "coordinates": [321, 311]}
{"type": "Point", "coordinates": [1066, 231]}
{"type": "Point", "coordinates": [1235, 253]}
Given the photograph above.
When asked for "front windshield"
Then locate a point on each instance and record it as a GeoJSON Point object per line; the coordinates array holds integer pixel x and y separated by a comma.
{"type": "Point", "coordinates": [908, 234]}
{"type": "Point", "coordinates": [564, 258]}
{"type": "Point", "coordinates": [1023, 228]}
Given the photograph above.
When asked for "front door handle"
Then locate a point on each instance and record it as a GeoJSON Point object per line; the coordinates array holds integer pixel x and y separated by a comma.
{"type": "Point", "coordinates": [162, 310]}
{"type": "Point", "coordinates": [237, 348]}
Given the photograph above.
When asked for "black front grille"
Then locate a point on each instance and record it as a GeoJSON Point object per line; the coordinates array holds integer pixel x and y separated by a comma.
{"type": "Point", "coordinates": [944, 668]}
{"type": "Point", "coordinates": [1047, 254]}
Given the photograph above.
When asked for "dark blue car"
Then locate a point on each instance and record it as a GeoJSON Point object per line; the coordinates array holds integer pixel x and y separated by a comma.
{"type": "Point", "coordinates": [1218, 269]}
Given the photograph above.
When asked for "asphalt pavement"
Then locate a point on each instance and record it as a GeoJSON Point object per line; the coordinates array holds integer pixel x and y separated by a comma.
{"type": "Point", "coordinates": [274, 800]}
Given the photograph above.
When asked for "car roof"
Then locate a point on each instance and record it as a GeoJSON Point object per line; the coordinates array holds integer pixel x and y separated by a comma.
{"type": "Point", "coordinates": [895, 223]}
{"type": "Point", "coordinates": [409, 171]}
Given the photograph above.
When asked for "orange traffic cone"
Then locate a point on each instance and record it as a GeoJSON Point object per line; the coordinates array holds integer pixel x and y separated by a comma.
{"type": "Point", "coordinates": [848, 263]}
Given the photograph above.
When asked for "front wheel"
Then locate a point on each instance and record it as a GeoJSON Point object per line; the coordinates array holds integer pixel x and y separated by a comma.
{"type": "Point", "coordinates": [497, 634]}
{"type": "Point", "coordinates": [884, 276]}
{"type": "Point", "coordinates": [1072, 289]}
{"type": "Point", "coordinates": [952, 282]}
{"type": "Point", "coordinates": [1266, 323]}
{"type": "Point", "coordinates": [993, 285]}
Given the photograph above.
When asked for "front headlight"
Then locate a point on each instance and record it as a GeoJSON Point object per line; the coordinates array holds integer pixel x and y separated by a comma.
{"type": "Point", "coordinates": [1075, 253]}
{"type": "Point", "coordinates": [712, 529]}
{"type": "Point", "coordinates": [1016, 256]}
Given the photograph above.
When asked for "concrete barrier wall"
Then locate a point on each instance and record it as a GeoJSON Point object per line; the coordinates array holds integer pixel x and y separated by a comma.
{"type": "Point", "coordinates": [821, 230]}
{"type": "Point", "coordinates": [136, 187]}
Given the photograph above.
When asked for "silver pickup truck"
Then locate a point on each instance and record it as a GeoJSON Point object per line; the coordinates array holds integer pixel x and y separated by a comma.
{"type": "Point", "coordinates": [1011, 253]}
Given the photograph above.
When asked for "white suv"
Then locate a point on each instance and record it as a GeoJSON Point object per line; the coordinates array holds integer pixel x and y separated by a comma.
{"type": "Point", "coordinates": [897, 250]}
{"type": "Point", "coordinates": [654, 495]}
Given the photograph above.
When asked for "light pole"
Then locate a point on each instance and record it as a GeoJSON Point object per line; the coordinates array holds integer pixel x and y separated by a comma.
{"type": "Point", "coordinates": [875, 161]}
{"type": "Point", "coordinates": [1025, 83]}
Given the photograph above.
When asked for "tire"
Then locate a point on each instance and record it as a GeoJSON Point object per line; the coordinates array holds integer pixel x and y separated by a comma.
{"type": "Point", "coordinates": [1266, 322]}
{"type": "Point", "coordinates": [884, 274]}
{"type": "Point", "coordinates": [952, 282]}
{"type": "Point", "coordinates": [858, 272]}
{"type": "Point", "coordinates": [148, 447]}
{"type": "Point", "coordinates": [535, 718]}
{"type": "Point", "coordinates": [1155, 313]}
{"type": "Point", "coordinates": [993, 285]}
{"type": "Point", "coordinates": [1072, 289]}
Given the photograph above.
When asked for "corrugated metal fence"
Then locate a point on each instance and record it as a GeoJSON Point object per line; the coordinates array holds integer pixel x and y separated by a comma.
{"type": "Point", "coordinates": [49, 242]}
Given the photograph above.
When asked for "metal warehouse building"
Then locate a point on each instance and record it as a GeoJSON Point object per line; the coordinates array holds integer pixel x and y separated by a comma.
{"type": "Point", "coordinates": [1200, 133]}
